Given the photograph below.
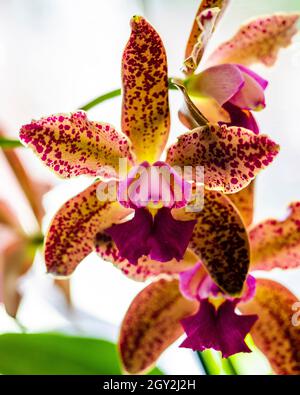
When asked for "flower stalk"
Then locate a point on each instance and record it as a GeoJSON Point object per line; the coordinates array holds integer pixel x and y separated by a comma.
{"type": "Point", "coordinates": [214, 364]}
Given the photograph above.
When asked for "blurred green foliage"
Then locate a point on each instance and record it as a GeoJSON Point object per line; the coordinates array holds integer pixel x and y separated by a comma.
{"type": "Point", "coordinates": [53, 353]}
{"type": "Point", "coordinates": [9, 143]}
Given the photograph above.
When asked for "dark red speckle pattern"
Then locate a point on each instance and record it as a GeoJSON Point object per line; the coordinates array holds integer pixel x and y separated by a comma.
{"type": "Point", "coordinates": [220, 240]}
{"type": "Point", "coordinates": [276, 244]}
{"type": "Point", "coordinates": [258, 41]}
{"type": "Point", "coordinates": [152, 323]}
{"type": "Point", "coordinates": [72, 145]}
{"type": "Point", "coordinates": [244, 202]}
{"type": "Point", "coordinates": [273, 333]}
{"type": "Point", "coordinates": [71, 234]}
{"type": "Point", "coordinates": [145, 112]}
{"type": "Point", "coordinates": [231, 156]}
{"type": "Point", "coordinates": [196, 28]}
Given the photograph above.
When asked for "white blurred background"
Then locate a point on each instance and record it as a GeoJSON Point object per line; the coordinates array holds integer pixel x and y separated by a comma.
{"type": "Point", "coordinates": [55, 56]}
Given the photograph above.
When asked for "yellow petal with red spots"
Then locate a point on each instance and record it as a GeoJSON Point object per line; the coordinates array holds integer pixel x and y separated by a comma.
{"type": "Point", "coordinates": [152, 323]}
{"type": "Point", "coordinates": [72, 145]}
{"type": "Point", "coordinates": [258, 41]}
{"type": "Point", "coordinates": [275, 332]}
{"type": "Point", "coordinates": [71, 234]}
{"type": "Point", "coordinates": [145, 112]}
{"type": "Point", "coordinates": [207, 16]}
{"type": "Point", "coordinates": [276, 244]}
{"type": "Point", "coordinates": [220, 240]}
{"type": "Point", "coordinates": [145, 267]}
{"type": "Point", "coordinates": [244, 202]}
{"type": "Point", "coordinates": [231, 156]}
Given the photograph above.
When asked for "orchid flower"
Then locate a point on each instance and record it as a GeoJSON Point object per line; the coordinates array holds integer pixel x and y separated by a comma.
{"type": "Point", "coordinates": [17, 248]}
{"type": "Point", "coordinates": [214, 318]}
{"type": "Point", "coordinates": [226, 90]}
{"type": "Point", "coordinates": [72, 145]}
{"type": "Point", "coordinates": [138, 230]}
{"type": "Point", "coordinates": [211, 318]}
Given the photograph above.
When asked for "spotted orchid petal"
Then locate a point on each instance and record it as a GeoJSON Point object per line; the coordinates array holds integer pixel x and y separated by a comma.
{"type": "Point", "coordinates": [145, 267]}
{"type": "Point", "coordinates": [276, 244]}
{"type": "Point", "coordinates": [151, 324]}
{"type": "Point", "coordinates": [258, 41]}
{"type": "Point", "coordinates": [220, 240]}
{"type": "Point", "coordinates": [275, 333]}
{"type": "Point", "coordinates": [221, 329]}
{"type": "Point", "coordinates": [206, 19]}
{"type": "Point", "coordinates": [231, 156]}
{"type": "Point", "coordinates": [145, 112]}
{"type": "Point", "coordinates": [244, 202]}
{"type": "Point", "coordinates": [244, 199]}
{"type": "Point", "coordinates": [72, 145]}
{"type": "Point", "coordinates": [71, 234]}
{"type": "Point", "coordinates": [162, 237]}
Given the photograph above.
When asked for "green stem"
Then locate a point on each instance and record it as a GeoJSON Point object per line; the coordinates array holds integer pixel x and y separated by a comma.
{"type": "Point", "coordinates": [20, 325]}
{"type": "Point", "coordinates": [37, 240]}
{"type": "Point", "coordinates": [229, 367]}
{"type": "Point", "coordinates": [111, 95]}
{"type": "Point", "coordinates": [9, 143]}
{"type": "Point", "coordinates": [209, 364]}
{"type": "Point", "coordinates": [213, 364]}
{"type": "Point", "coordinates": [171, 85]}
{"type": "Point", "coordinates": [101, 99]}
{"type": "Point", "coordinates": [204, 363]}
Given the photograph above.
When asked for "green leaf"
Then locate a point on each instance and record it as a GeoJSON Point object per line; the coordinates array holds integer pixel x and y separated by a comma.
{"type": "Point", "coordinates": [51, 353]}
{"type": "Point", "coordinates": [9, 143]}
